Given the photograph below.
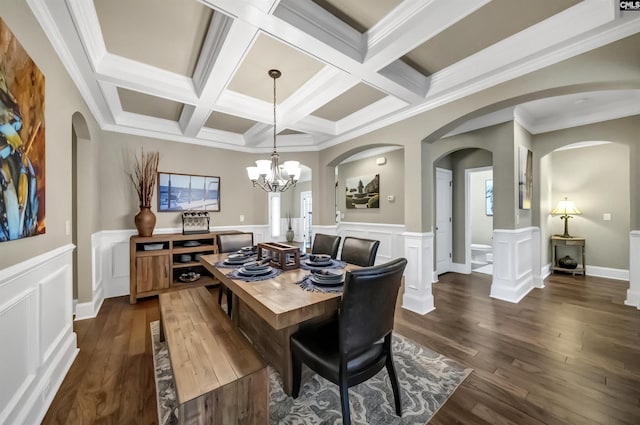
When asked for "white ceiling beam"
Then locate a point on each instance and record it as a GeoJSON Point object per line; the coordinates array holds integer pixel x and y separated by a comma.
{"type": "Point", "coordinates": [226, 44]}
{"type": "Point", "coordinates": [411, 24]}
{"type": "Point", "coordinates": [295, 22]}
{"type": "Point", "coordinates": [300, 24]}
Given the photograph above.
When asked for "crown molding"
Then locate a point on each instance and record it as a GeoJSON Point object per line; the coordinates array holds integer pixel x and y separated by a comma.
{"type": "Point", "coordinates": [320, 24]}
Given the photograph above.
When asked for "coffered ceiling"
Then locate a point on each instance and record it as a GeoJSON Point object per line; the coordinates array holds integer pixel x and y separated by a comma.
{"type": "Point", "coordinates": [196, 71]}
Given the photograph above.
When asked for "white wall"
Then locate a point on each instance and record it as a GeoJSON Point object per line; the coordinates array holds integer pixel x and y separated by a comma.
{"type": "Point", "coordinates": [36, 330]}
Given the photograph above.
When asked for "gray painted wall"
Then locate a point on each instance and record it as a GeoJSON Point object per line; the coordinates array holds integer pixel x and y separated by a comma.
{"type": "Point", "coordinates": [597, 180]}
{"type": "Point", "coordinates": [237, 196]}
{"type": "Point", "coordinates": [391, 183]}
{"type": "Point", "coordinates": [462, 161]}
{"type": "Point", "coordinates": [290, 200]}
{"type": "Point", "coordinates": [62, 100]}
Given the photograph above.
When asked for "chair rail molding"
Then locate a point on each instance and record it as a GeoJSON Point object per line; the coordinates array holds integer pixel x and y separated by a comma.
{"type": "Point", "coordinates": [111, 262]}
{"type": "Point", "coordinates": [36, 298]}
{"type": "Point", "coordinates": [633, 293]}
{"type": "Point", "coordinates": [390, 236]}
{"type": "Point", "coordinates": [517, 265]}
{"type": "Point", "coordinates": [418, 293]}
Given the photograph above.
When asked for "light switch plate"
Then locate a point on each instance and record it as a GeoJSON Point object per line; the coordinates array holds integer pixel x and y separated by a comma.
{"type": "Point", "coordinates": [606, 216]}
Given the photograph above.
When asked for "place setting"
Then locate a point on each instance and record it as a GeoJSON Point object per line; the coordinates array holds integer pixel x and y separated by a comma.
{"type": "Point", "coordinates": [254, 270]}
{"type": "Point", "coordinates": [318, 262]}
{"type": "Point", "coordinates": [238, 258]}
{"type": "Point", "coordinates": [323, 281]}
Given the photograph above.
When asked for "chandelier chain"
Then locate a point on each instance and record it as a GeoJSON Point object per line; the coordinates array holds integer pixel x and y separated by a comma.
{"type": "Point", "coordinates": [271, 178]}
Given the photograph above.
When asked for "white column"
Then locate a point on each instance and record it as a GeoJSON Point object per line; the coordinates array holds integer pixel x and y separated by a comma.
{"type": "Point", "coordinates": [536, 258]}
{"type": "Point", "coordinates": [514, 256]}
{"type": "Point", "coordinates": [418, 250]}
{"type": "Point", "coordinates": [633, 293]}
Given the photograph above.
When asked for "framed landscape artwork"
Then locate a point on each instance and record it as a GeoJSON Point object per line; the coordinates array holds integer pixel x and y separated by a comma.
{"type": "Point", "coordinates": [184, 192]}
{"type": "Point", "coordinates": [22, 141]}
{"type": "Point", "coordinates": [363, 192]}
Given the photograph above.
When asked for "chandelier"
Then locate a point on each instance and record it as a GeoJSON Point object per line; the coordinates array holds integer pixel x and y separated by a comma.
{"type": "Point", "coordinates": [268, 173]}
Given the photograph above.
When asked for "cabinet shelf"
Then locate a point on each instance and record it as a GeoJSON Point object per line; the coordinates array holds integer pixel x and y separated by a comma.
{"type": "Point", "coordinates": [153, 272]}
{"type": "Point", "coordinates": [186, 265]}
{"type": "Point", "coordinates": [190, 249]}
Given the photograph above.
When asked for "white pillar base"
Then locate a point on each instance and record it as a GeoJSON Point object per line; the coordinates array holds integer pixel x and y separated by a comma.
{"type": "Point", "coordinates": [418, 294]}
{"type": "Point", "coordinates": [633, 293]}
{"type": "Point", "coordinates": [515, 253]}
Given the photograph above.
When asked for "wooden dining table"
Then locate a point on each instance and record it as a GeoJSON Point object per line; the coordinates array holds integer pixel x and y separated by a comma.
{"type": "Point", "coordinates": [269, 311]}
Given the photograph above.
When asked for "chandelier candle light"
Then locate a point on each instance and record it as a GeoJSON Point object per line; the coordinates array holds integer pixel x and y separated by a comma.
{"type": "Point", "coordinates": [566, 207]}
{"type": "Point", "coordinates": [269, 174]}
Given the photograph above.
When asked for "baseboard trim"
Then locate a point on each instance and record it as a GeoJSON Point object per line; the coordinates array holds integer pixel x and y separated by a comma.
{"type": "Point", "coordinates": [90, 309]}
{"type": "Point", "coordinates": [606, 272]}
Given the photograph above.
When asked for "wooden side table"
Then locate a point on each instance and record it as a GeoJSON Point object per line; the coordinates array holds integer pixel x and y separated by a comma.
{"type": "Point", "coordinates": [557, 241]}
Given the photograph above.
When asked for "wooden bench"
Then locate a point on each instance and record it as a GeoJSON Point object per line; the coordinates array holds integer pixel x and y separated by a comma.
{"type": "Point", "coordinates": [219, 377]}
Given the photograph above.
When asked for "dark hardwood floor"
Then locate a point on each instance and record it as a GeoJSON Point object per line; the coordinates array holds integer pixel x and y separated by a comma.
{"type": "Point", "coordinates": [566, 354]}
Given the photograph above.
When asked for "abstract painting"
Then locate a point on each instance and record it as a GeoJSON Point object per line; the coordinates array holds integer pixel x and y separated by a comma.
{"type": "Point", "coordinates": [22, 141]}
{"type": "Point", "coordinates": [363, 192]}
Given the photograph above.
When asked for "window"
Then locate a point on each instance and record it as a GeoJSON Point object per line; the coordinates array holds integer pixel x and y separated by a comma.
{"type": "Point", "coordinates": [274, 214]}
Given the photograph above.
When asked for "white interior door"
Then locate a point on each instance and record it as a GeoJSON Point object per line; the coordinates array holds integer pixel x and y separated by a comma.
{"type": "Point", "coordinates": [444, 231]}
{"type": "Point", "coordinates": [305, 210]}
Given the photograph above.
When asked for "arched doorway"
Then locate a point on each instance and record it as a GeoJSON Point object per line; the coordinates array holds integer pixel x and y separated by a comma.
{"type": "Point", "coordinates": [83, 205]}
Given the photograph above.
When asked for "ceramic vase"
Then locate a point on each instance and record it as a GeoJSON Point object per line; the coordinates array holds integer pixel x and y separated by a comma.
{"type": "Point", "coordinates": [289, 234]}
{"type": "Point", "coordinates": [567, 262]}
{"type": "Point", "coordinates": [145, 221]}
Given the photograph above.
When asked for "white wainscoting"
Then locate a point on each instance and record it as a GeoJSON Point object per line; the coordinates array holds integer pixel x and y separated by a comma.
{"type": "Point", "coordinates": [36, 328]}
{"type": "Point", "coordinates": [111, 263]}
{"type": "Point", "coordinates": [418, 276]}
{"type": "Point", "coordinates": [516, 263]}
{"type": "Point", "coordinates": [633, 293]}
{"type": "Point", "coordinates": [390, 236]}
{"type": "Point", "coordinates": [111, 258]}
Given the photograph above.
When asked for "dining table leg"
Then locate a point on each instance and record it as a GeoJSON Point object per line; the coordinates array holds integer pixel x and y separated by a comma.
{"type": "Point", "coordinates": [272, 344]}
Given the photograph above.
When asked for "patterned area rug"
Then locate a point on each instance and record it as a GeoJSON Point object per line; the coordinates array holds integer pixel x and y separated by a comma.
{"type": "Point", "coordinates": [427, 380]}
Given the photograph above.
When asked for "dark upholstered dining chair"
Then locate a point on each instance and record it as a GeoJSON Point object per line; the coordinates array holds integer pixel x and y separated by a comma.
{"type": "Point", "coordinates": [354, 347]}
{"type": "Point", "coordinates": [231, 242]}
{"type": "Point", "coordinates": [361, 252]}
{"type": "Point", "coordinates": [326, 244]}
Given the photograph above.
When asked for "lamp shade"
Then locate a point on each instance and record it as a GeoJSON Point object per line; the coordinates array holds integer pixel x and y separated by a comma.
{"type": "Point", "coordinates": [253, 173]}
{"type": "Point", "coordinates": [264, 166]}
{"type": "Point", "coordinates": [566, 207]}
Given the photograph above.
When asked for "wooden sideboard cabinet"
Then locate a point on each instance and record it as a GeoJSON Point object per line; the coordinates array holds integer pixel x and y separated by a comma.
{"type": "Point", "coordinates": [158, 261]}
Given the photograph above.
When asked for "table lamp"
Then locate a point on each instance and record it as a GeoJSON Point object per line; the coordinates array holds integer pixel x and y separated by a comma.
{"type": "Point", "coordinates": [566, 207]}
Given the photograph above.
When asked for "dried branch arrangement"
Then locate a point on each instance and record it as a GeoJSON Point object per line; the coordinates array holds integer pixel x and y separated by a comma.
{"type": "Point", "coordinates": [143, 176]}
